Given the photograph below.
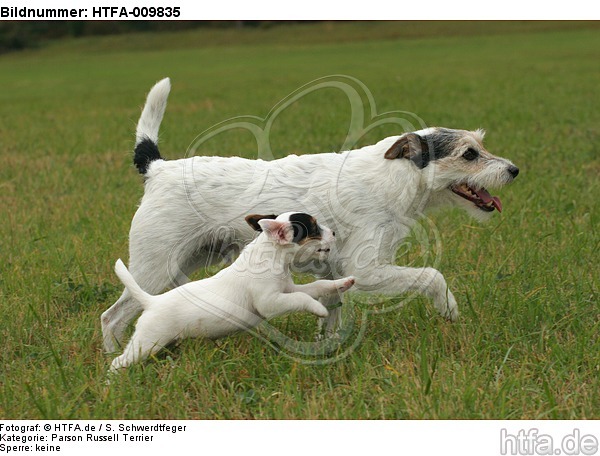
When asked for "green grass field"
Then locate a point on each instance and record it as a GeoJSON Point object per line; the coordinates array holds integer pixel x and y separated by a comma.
{"type": "Point", "coordinates": [528, 341]}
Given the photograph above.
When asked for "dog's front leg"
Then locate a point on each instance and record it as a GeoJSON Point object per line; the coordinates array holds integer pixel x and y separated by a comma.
{"type": "Point", "coordinates": [391, 280]}
{"type": "Point", "coordinates": [329, 326]}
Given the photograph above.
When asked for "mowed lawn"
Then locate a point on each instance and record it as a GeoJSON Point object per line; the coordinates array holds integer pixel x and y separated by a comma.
{"type": "Point", "coordinates": [527, 344]}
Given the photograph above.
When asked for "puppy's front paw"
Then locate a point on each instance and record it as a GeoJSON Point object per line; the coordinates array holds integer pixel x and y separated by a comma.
{"type": "Point", "coordinates": [344, 285]}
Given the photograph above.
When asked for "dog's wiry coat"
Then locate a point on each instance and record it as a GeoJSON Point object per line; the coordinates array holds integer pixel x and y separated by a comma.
{"type": "Point", "coordinates": [370, 196]}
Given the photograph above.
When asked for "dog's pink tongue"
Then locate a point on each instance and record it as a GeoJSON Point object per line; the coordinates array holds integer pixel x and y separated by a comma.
{"type": "Point", "coordinates": [497, 203]}
{"type": "Point", "coordinates": [486, 198]}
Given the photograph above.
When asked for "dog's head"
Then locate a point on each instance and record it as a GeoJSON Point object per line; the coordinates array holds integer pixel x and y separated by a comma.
{"type": "Point", "coordinates": [295, 231]}
{"type": "Point", "coordinates": [456, 167]}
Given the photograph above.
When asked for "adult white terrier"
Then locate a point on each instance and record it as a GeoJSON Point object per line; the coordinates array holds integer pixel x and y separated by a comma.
{"type": "Point", "coordinates": [256, 287]}
{"type": "Point", "coordinates": [192, 209]}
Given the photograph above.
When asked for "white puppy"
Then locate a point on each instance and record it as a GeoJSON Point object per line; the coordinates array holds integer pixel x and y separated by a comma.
{"type": "Point", "coordinates": [256, 287]}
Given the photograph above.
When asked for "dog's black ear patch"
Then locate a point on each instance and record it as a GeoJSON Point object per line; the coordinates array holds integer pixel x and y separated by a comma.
{"type": "Point", "coordinates": [253, 219]}
{"type": "Point", "coordinates": [412, 147]}
{"type": "Point", "coordinates": [305, 226]}
{"type": "Point", "coordinates": [145, 153]}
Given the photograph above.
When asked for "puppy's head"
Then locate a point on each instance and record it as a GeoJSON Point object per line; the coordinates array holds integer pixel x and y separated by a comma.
{"type": "Point", "coordinates": [296, 231]}
{"type": "Point", "coordinates": [456, 167]}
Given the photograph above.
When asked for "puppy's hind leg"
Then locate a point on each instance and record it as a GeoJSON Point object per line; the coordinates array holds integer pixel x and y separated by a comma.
{"type": "Point", "coordinates": [136, 350]}
{"type": "Point", "coordinates": [150, 336]}
{"type": "Point", "coordinates": [117, 318]}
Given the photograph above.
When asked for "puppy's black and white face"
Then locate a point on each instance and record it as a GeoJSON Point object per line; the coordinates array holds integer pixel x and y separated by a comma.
{"type": "Point", "coordinates": [455, 164]}
{"type": "Point", "coordinates": [295, 230]}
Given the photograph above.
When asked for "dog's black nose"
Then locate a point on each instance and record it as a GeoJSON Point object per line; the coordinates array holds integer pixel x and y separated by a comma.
{"type": "Point", "coordinates": [514, 171]}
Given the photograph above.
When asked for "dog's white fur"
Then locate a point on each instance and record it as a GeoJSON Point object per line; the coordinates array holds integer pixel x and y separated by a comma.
{"type": "Point", "coordinates": [257, 286]}
{"type": "Point", "coordinates": [194, 207]}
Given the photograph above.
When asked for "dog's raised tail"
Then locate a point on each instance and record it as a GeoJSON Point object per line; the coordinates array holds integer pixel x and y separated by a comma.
{"type": "Point", "coordinates": [146, 135]}
{"type": "Point", "coordinates": [125, 276]}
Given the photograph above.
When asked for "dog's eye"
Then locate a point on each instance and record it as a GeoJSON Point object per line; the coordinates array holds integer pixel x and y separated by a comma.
{"type": "Point", "coordinates": [470, 154]}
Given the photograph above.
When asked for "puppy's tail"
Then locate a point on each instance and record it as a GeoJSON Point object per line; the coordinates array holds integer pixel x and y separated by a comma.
{"type": "Point", "coordinates": [125, 276]}
{"type": "Point", "coordinates": [146, 134]}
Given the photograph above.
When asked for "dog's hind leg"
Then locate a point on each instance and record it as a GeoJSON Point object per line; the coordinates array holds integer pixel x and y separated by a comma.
{"type": "Point", "coordinates": [154, 274]}
{"type": "Point", "coordinates": [115, 320]}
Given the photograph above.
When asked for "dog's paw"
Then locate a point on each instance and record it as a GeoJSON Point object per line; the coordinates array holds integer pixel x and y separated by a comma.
{"type": "Point", "coordinates": [327, 335]}
{"type": "Point", "coordinates": [333, 335]}
{"type": "Point", "coordinates": [451, 315]}
{"type": "Point", "coordinates": [344, 285]}
{"type": "Point", "coordinates": [111, 374]}
{"type": "Point", "coordinates": [449, 308]}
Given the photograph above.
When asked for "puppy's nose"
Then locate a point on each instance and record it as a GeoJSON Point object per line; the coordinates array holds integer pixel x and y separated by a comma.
{"type": "Point", "coordinates": [514, 171]}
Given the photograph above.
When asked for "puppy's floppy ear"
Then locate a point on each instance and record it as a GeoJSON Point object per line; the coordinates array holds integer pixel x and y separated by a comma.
{"type": "Point", "coordinates": [412, 147]}
{"type": "Point", "coordinates": [253, 219]}
{"type": "Point", "coordinates": [279, 232]}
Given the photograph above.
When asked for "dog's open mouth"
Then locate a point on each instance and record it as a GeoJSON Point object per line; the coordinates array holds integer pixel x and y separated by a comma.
{"type": "Point", "coordinates": [481, 197]}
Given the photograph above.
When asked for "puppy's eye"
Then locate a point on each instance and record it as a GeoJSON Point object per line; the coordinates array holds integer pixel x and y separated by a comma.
{"type": "Point", "coordinates": [470, 154]}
